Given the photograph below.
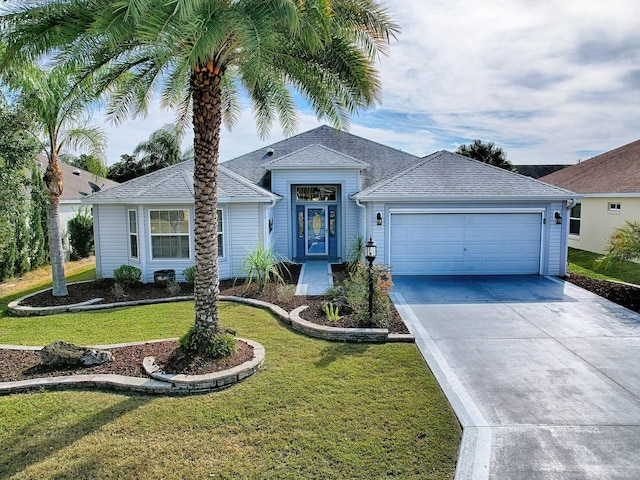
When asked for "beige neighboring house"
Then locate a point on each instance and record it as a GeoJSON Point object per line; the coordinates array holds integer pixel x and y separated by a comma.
{"type": "Point", "coordinates": [78, 184]}
{"type": "Point", "coordinates": [609, 185]}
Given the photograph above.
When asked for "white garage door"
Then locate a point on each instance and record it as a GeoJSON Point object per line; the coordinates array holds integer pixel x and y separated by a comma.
{"type": "Point", "coordinates": [465, 243]}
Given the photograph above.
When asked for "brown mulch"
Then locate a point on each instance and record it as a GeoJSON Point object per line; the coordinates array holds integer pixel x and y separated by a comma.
{"type": "Point", "coordinates": [22, 365]}
{"type": "Point", "coordinates": [621, 293]}
{"type": "Point", "coordinates": [25, 364]}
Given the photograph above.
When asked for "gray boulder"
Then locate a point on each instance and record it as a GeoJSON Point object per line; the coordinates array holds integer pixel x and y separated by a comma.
{"type": "Point", "coordinates": [63, 354]}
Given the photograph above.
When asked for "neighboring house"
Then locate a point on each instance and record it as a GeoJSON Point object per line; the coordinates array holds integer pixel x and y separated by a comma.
{"type": "Point", "coordinates": [537, 171]}
{"type": "Point", "coordinates": [609, 185]}
{"type": "Point", "coordinates": [78, 184]}
{"type": "Point", "coordinates": [308, 197]}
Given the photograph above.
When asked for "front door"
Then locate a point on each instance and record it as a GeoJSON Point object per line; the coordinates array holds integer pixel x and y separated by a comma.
{"type": "Point", "coordinates": [316, 241]}
{"type": "Point", "coordinates": [316, 231]}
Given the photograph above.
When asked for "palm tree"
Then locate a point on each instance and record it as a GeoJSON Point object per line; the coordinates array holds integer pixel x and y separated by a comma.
{"type": "Point", "coordinates": [487, 153]}
{"type": "Point", "coordinates": [624, 245]}
{"type": "Point", "coordinates": [163, 148]}
{"type": "Point", "coordinates": [59, 111]}
{"type": "Point", "coordinates": [199, 55]}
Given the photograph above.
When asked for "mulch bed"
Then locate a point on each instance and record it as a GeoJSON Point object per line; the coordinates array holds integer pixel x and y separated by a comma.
{"type": "Point", "coordinates": [22, 365]}
{"type": "Point", "coordinates": [621, 293]}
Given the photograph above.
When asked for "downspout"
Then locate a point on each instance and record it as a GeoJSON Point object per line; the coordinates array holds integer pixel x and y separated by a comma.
{"type": "Point", "coordinates": [366, 224]}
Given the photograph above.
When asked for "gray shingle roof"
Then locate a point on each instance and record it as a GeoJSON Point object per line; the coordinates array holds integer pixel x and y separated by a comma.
{"type": "Point", "coordinates": [315, 156]}
{"type": "Point", "coordinates": [446, 175]}
{"type": "Point", "coordinates": [383, 161]}
{"type": "Point", "coordinates": [175, 184]}
{"type": "Point", "coordinates": [76, 180]}
{"type": "Point", "coordinates": [616, 171]}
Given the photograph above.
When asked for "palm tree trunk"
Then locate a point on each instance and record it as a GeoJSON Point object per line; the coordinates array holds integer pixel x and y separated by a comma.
{"type": "Point", "coordinates": [207, 119]}
{"type": "Point", "coordinates": [53, 180]}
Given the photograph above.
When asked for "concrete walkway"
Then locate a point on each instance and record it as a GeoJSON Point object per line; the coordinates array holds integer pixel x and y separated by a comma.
{"type": "Point", "coordinates": [315, 278]}
{"type": "Point", "coordinates": [544, 376]}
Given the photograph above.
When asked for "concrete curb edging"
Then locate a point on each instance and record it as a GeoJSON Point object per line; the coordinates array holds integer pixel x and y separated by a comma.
{"type": "Point", "coordinates": [293, 319]}
{"type": "Point", "coordinates": [161, 383]}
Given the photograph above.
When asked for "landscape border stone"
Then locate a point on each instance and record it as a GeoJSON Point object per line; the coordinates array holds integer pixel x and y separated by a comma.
{"type": "Point", "coordinates": [159, 383]}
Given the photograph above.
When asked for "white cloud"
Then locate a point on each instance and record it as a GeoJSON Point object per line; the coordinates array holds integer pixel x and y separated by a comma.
{"type": "Point", "coordinates": [545, 80]}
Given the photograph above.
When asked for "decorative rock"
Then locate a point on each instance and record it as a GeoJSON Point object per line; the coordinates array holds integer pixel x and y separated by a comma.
{"type": "Point", "coordinates": [61, 353]}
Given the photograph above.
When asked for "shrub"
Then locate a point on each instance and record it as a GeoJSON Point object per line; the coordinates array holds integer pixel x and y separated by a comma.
{"type": "Point", "coordinates": [189, 274]}
{"type": "Point", "coordinates": [127, 275]}
{"type": "Point", "coordinates": [118, 291]}
{"type": "Point", "coordinates": [206, 343]}
{"type": "Point", "coordinates": [355, 255]}
{"type": "Point", "coordinates": [262, 266]}
{"type": "Point", "coordinates": [80, 230]}
{"type": "Point", "coordinates": [286, 292]}
{"type": "Point", "coordinates": [355, 291]}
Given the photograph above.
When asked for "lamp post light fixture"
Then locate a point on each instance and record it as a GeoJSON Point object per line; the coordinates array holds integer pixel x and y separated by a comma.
{"type": "Point", "coordinates": [370, 252]}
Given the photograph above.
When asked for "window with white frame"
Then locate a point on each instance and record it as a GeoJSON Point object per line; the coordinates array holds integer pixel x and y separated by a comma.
{"type": "Point", "coordinates": [220, 234]}
{"type": "Point", "coordinates": [133, 233]}
{"type": "Point", "coordinates": [170, 234]}
{"type": "Point", "coordinates": [574, 219]}
{"type": "Point", "coordinates": [614, 207]}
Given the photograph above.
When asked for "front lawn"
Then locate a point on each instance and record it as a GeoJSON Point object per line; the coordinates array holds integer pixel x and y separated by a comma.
{"type": "Point", "coordinates": [314, 410]}
{"type": "Point", "coordinates": [585, 263]}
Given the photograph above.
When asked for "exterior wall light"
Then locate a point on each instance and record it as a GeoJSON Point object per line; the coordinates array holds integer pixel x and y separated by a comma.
{"type": "Point", "coordinates": [379, 218]}
{"type": "Point", "coordinates": [558, 218]}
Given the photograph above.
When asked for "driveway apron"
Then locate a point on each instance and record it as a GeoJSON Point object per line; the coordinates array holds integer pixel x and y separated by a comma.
{"type": "Point", "coordinates": [543, 375]}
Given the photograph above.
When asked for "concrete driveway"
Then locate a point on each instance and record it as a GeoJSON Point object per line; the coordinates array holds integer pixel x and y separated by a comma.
{"type": "Point", "coordinates": [543, 375]}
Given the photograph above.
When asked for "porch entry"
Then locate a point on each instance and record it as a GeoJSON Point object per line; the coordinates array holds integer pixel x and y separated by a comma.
{"type": "Point", "coordinates": [316, 222]}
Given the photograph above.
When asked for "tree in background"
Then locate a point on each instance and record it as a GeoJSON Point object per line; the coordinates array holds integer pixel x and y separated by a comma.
{"type": "Point", "coordinates": [18, 150]}
{"type": "Point", "coordinates": [58, 105]}
{"type": "Point", "coordinates": [81, 234]}
{"type": "Point", "coordinates": [487, 153]}
{"type": "Point", "coordinates": [163, 148]}
{"type": "Point", "coordinates": [199, 54]}
{"type": "Point", "coordinates": [88, 162]}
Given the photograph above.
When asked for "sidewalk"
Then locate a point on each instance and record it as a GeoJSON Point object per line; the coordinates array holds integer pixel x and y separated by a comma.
{"type": "Point", "coordinates": [315, 278]}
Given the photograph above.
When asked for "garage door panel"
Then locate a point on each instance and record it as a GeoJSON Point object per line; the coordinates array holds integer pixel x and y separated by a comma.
{"type": "Point", "coordinates": [465, 243]}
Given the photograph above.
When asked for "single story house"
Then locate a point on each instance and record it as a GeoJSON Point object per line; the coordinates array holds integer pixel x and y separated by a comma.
{"type": "Point", "coordinates": [78, 183]}
{"type": "Point", "coordinates": [609, 185]}
{"type": "Point", "coordinates": [309, 196]}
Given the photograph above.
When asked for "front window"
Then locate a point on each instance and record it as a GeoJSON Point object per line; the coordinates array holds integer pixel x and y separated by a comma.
{"type": "Point", "coordinates": [169, 233]}
{"type": "Point", "coordinates": [220, 235]}
{"type": "Point", "coordinates": [316, 193]}
{"type": "Point", "coordinates": [133, 234]}
{"type": "Point", "coordinates": [574, 219]}
{"type": "Point", "coordinates": [615, 207]}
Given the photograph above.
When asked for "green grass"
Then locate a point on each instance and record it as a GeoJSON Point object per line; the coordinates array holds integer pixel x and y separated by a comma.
{"type": "Point", "coordinates": [585, 263]}
{"type": "Point", "coordinates": [315, 410]}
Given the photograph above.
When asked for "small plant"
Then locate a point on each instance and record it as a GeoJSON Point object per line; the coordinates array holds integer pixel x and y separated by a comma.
{"type": "Point", "coordinates": [262, 266]}
{"type": "Point", "coordinates": [127, 275]}
{"type": "Point", "coordinates": [331, 311]}
{"type": "Point", "coordinates": [356, 251]}
{"type": "Point", "coordinates": [286, 292]}
{"type": "Point", "coordinates": [203, 342]}
{"type": "Point", "coordinates": [173, 288]}
{"type": "Point", "coordinates": [189, 274]}
{"type": "Point", "coordinates": [118, 291]}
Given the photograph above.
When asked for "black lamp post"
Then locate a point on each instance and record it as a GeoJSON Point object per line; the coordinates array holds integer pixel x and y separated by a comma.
{"type": "Point", "coordinates": [370, 252]}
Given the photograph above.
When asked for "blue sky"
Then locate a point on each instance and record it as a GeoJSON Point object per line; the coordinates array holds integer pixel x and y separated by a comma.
{"type": "Point", "coordinates": [548, 81]}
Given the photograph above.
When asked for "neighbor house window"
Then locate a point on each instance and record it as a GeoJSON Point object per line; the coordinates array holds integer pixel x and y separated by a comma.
{"type": "Point", "coordinates": [169, 233]}
{"type": "Point", "coordinates": [614, 207]}
{"type": "Point", "coordinates": [133, 233]}
{"type": "Point", "coordinates": [574, 219]}
{"type": "Point", "coordinates": [220, 235]}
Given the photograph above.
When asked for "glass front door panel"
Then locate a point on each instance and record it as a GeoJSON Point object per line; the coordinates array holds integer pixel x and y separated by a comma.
{"type": "Point", "coordinates": [316, 242]}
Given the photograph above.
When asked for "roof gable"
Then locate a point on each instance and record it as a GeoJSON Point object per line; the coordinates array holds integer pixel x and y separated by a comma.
{"type": "Point", "coordinates": [382, 160]}
{"type": "Point", "coordinates": [616, 171]}
{"type": "Point", "coordinates": [315, 157]}
{"type": "Point", "coordinates": [446, 175]}
{"type": "Point", "coordinates": [175, 183]}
